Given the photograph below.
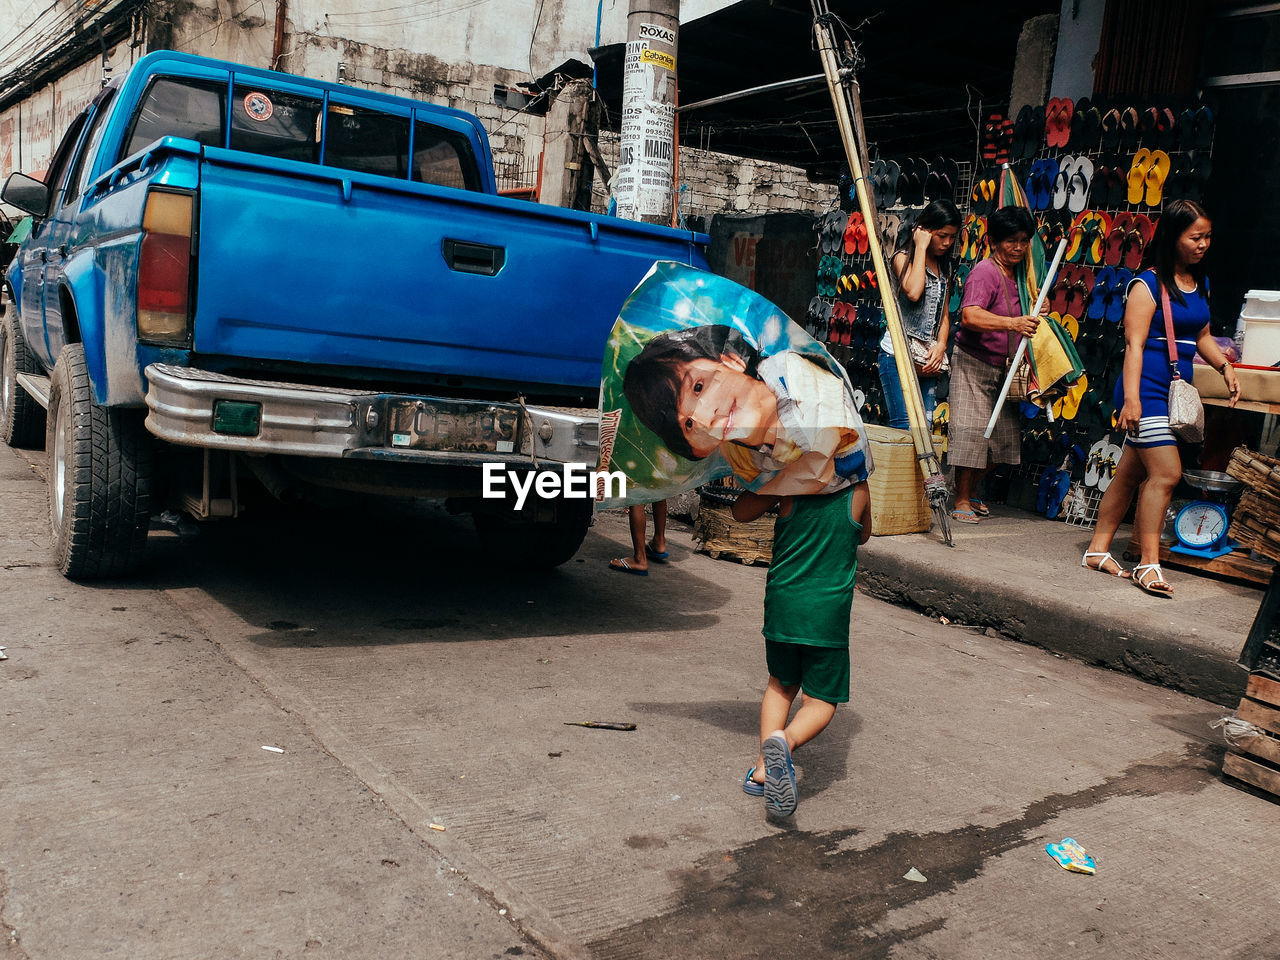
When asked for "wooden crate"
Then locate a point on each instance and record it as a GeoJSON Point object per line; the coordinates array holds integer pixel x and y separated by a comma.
{"type": "Point", "coordinates": [1255, 759]}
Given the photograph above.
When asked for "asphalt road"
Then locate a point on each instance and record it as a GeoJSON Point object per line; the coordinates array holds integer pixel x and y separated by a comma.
{"type": "Point", "coordinates": [413, 684]}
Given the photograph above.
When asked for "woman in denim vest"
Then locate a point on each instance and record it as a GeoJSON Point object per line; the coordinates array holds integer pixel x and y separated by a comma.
{"type": "Point", "coordinates": [923, 281]}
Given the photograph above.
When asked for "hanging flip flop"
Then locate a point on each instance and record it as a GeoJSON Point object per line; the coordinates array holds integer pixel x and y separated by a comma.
{"type": "Point", "coordinates": [891, 172]}
{"type": "Point", "coordinates": [1110, 461]}
{"type": "Point", "coordinates": [1111, 130]}
{"type": "Point", "coordinates": [1098, 296]}
{"type": "Point", "coordinates": [1093, 464]}
{"type": "Point", "coordinates": [1115, 303]}
{"type": "Point", "coordinates": [850, 243]}
{"type": "Point", "coordinates": [1079, 184]}
{"type": "Point", "coordinates": [877, 178]}
{"type": "Point", "coordinates": [1075, 240]}
{"type": "Point", "coordinates": [1166, 129]}
{"type": "Point", "coordinates": [1062, 183]}
{"type": "Point", "coordinates": [1129, 124]}
{"type": "Point", "coordinates": [1101, 224]}
{"type": "Point", "coordinates": [1157, 172]}
{"type": "Point", "coordinates": [1044, 188]}
{"type": "Point", "coordinates": [942, 418]}
{"type": "Point", "coordinates": [1071, 402]}
{"type": "Point", "coordinates": [1137, 176]}
{"type": "Point", "coordinates": [1100, 183]}
{"type": "Point", "coordinates": [1203, 139]}
{"type": "Point", "coordinates": [1140, 234]}
{"type": "Point", "coordinates": [1113, 243]}
{"type": "Point", "coordinates": [1030, 186]}
{"type": "Point", "coordinates": [1072, 326]}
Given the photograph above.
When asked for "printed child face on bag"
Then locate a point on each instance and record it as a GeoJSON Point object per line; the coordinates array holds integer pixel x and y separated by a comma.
{"type": "Point", "coordinates": [704, 378]}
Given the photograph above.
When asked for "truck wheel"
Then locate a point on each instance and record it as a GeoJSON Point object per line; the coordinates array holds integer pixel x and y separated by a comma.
{"type": "Point", "coordinates": [540, 545]}
{"type": "Point", "coordinates": [99, 477]}
{"type": "Point", "coordinates": [21, 418]}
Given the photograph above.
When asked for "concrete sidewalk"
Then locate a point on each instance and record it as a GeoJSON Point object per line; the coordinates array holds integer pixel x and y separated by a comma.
{"type": "Point", "coordinates": [1020, 574]}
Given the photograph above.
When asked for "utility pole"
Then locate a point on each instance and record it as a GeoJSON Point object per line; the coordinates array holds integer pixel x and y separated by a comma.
{"type": "Point", "coordinates": [643, 187]}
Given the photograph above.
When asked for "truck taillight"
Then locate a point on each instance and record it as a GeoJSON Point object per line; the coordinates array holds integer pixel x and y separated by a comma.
{"type": "Point", "coordinates": [164, 268]}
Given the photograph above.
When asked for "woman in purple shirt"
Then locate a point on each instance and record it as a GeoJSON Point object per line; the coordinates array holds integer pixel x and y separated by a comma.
{"type": "Point", "coordinates": [991, 320]}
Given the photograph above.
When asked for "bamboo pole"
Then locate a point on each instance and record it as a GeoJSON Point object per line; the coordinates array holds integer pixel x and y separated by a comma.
{"type": "Point", "coordinates": [844, 98]}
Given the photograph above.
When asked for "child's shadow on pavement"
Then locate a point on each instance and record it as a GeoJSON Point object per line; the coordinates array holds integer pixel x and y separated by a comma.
{"type": "Point", "coordinates": [821, 762]}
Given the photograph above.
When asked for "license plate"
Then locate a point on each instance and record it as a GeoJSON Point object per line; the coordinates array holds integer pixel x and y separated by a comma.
{"type": "Point", "coordinates": [453, 425]}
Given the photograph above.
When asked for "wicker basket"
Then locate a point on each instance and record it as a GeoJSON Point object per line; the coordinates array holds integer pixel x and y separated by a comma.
{"type": "Point", "coordinates": [717, 534]}
{"type": "Point", "coordinates": [1255, 522]}
{"type": "Point", "coordinates": [898, 502]}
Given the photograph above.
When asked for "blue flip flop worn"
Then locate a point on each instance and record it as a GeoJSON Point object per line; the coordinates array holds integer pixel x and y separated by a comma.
{"type": "Point", "coordinates": [779, 777]}
{"type": "Point", "coordinates": [750, 787]}
{"type": "Point", "coordinates": [659, 555]}
{"type": "Point", "coordinates": [624, 566]}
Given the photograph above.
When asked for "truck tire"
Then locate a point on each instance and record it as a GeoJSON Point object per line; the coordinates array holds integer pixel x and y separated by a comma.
{"type": "Point", "coordinates": [100, 462]}
{"type": "Point", "coordinates": [540, 545]}
{"type": "Point", "coordinates": [21, 418]}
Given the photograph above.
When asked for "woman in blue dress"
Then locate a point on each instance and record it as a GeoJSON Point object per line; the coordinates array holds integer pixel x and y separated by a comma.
{"type": "Point", "coordinates": [1151, 465]}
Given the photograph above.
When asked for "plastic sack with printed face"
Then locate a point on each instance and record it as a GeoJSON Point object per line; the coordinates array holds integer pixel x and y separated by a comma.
{"type": "Point", "coordinates": [704, 378]}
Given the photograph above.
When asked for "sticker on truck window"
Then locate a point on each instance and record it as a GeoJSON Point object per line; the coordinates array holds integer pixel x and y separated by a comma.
{"type": "Point", "coordinates": [258, 106]}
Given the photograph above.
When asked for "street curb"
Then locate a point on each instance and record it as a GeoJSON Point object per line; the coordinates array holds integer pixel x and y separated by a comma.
{"type": "Point", "coordinates": [1072, 628]}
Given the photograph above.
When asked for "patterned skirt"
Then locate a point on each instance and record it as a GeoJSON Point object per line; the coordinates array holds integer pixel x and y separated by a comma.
{"type": "Point", "coordinates": [974, 388]}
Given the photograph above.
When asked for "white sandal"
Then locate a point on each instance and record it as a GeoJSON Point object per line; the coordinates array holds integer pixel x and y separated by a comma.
{"type": "Point", "coordinates": [1120, 571]}
{"type": "Point", "coordinates": [1148, 584]}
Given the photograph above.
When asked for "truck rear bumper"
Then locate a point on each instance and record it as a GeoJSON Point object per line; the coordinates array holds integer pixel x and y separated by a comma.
{"type": "Point", "coordinates": [201, 408]}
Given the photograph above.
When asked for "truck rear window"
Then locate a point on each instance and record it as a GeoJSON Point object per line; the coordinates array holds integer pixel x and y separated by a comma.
{"type": "Point", "coordinates": [287, 125]}
{"type": "Point", "coordinates": [444, 158]}
{"type": "Point", "coordinates": [275, 124]}
{"type": "Point", "coordinates": [367, 141]}
{"type": "Point", "coordinates": [178, 108]}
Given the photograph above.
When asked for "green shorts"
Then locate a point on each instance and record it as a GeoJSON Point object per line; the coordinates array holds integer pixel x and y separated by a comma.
{"type": "Point", "coordinates": [821, 672]}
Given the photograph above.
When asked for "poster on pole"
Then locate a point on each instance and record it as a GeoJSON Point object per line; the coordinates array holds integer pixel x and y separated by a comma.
{"type": "Point", "coordinates": [642, 187]}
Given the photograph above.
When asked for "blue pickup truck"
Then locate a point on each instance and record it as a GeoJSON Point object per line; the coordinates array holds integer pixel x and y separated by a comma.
{"type": "Point", "coordinates": [238, 279]}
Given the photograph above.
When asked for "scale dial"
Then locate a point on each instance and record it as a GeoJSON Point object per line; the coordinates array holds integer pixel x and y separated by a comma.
{"type": "Point", "coordinates": [1201, 524]}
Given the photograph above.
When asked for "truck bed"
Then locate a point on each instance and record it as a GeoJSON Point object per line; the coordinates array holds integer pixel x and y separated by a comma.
{"type": "Point", "coordinates": [411, 277]}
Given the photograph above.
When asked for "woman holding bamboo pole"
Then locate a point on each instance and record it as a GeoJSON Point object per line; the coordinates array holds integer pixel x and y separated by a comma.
{"type": "Point", "coordinates": [991, 321]}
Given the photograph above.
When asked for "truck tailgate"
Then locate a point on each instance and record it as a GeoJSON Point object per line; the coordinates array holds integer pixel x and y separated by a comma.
{"type": "Point", "coordinates": [332, 267]}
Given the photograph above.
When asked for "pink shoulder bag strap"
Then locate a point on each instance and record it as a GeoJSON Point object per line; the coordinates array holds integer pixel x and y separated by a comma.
{"type": "Point", "coordinates": [1170, 342]}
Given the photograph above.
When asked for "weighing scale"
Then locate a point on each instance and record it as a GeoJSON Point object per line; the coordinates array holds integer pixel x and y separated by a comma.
{"type": "Point", "coordinates": [1201, 526]}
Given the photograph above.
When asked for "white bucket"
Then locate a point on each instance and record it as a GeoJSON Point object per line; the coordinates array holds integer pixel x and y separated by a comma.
{"type": "Point", "coordinates": [1261, 344]}
{"type": "Point", "coordinates": [1258, 329]}
{"type": "Point", "coordinates": [1261, 304]}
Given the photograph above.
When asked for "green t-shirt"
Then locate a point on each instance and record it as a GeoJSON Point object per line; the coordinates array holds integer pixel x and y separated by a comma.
{"type": "Point", "coordinates": [809, 590]}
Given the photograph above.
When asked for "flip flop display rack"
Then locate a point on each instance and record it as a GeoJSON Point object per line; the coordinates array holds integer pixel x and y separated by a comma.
{"type": "Point", "coordinates": [846, 312]}
{"type": "Point", "coordinates": [1097, 174]}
